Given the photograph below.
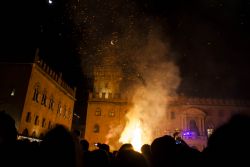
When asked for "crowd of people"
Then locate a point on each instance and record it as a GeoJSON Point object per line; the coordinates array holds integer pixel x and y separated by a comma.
{"type": "Point", "coordinates": [228, 145]}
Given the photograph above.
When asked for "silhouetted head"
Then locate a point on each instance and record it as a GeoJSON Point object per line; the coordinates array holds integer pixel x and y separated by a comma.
{"type": "Point", "coordinates": [229, 142]}
{"type": "Point", "coordinates": [126, 146]}
{"type": "Point", "coordinates": [58, 135]}
{"type": "Point", "coordinates": [85, 145]}
{"type": "Point", "coordinates": [8, 132]}
{"type": "Point", "coordinates": [163, 150]}
{"type": "Point", "coordinates": [130, 158]}
{"type": "Point", "coordinates": [145, 149]}
{"type": "Point", "coordinates": [99, 158]}
{"type": "Point", "coordinates": [58, 147]}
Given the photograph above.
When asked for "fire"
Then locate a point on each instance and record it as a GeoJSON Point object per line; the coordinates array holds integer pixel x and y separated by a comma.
{"type": "Point", "coordinates": [133, 134]}
{"type": "Point", "coordinates": [137, 138]}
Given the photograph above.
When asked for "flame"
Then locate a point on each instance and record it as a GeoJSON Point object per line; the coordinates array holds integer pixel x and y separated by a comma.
{"type": "Point", "coordinates": [148, 116]}
{"type": "Point", "coordinates": [133, 134]}
{"type": "Point", "coordinates": [136, 140]}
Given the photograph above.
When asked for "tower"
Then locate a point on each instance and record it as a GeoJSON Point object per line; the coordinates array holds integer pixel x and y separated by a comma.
{"type": "Point", "coordinates": [106, 105]}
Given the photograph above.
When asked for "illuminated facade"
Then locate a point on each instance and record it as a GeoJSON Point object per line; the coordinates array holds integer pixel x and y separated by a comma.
{"type": "Point", "coordinates": [36, 97]}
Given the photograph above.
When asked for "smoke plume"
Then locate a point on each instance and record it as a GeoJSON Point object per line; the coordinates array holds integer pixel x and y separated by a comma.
{"type": "Point", "coordinates": [159, 79]}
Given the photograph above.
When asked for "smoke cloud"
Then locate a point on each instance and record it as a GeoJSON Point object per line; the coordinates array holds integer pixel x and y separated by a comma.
{"type": "Point", "coordinates": [159, 78]}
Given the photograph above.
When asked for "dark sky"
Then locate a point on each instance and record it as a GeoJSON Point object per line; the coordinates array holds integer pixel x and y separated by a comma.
{"type": "Point", "coordinates": [209, 39]}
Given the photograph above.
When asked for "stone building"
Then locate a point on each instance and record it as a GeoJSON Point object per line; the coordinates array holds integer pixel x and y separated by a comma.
{"type": "Point", "coordinates": [193, 119]}
{"type": "Point", "coordinates": [36, 97]}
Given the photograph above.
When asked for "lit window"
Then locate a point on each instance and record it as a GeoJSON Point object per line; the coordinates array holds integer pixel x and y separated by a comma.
{"type": "Point", "coordinates": [96, 128]}
{"type": "Point", "coordinates": [98, 112]}
{"type": "Point", "coordinates": [28, 117]}
{"type": "Point", "coordinates": [112, 113]}
{"type": "Point", "coordinates": [59, 108]}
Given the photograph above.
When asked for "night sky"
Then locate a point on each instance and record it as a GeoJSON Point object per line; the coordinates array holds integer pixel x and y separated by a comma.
{"type": "Point", "coordinates": [209, 39]}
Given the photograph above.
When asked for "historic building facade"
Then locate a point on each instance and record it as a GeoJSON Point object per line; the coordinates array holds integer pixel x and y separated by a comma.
{"type": "Point", "coordinates": [193, 119]}
{"type": "Point", "coordinates": [36, 97]}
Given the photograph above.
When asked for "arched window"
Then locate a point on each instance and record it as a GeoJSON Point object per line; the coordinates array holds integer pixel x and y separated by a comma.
{"type": "Point", "coordinates": [51, 102]}
{"type": "Point", "coordinates": [43, 122]}
{"type": "Point", "coordinates": [96, 128]}
{"type": "Point", "coordinates": [37, 120]}
{"type": "Point", "coordinates": [28, 117]}
{"type": "Point", "coordinates": [59, 107]}
{"type": "Point", "coordinates": [44, 97]}
{"type": "Point", "coordinates": [36, 92]}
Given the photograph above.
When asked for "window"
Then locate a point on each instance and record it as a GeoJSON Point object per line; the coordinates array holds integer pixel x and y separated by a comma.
{"type": "Point", "coordinates": [49, 125]}
{"type": "Point", "coordinates": [43, 123]}
{"type": "Point", "coordinates": [210, 132]}
{"type": "Point", "coordinates": [98, 112]}
{"type": "Point", "coordinates": [112, 113]}
{"type": "Point", "coordinates": [28, 117]}
{"type": "Point", "coordinates": [44, 97]}
{"type": "Point", "coordinates": [36, 120]}
{"type": "Point", "coordinates": [103, 94]}
{"type": "Point", "coordinates": [36, 92]}
{"type": "Point", "coordinates": [51, 102]}
{"type": "Point", "coordinates": [96, 128]}
{"type": "Point", "coordinates": [59, 108]}
{"type": "Point", "coordinates": [172, 116]}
